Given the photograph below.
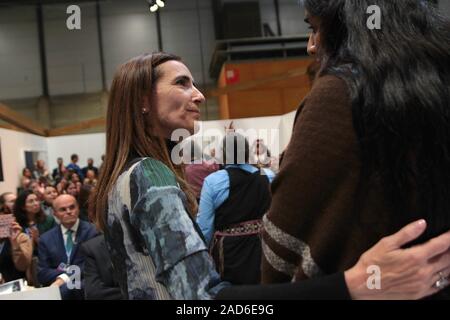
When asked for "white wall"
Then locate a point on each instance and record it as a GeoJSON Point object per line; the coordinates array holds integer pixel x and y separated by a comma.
{"type": "Point", "coordinates": [85, 145]}
{"type": "Point", "coordinates": [20, 73]}
{"type": "Point", "coordinates": [286, 126]}
{"type": "Point", "coordinates": [266, 128]}
{"type": "Point", "coordinates": [13, 145]}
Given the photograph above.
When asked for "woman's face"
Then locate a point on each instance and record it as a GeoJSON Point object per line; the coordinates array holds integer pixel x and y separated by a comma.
{"type": "Point", "coordinates": [75, 178]}
{"type": "Point", "coordinates": [72, 189]}
{"type": "Point", "coordinates": [90, 174]}
{"type": "Point", "coordinates": [32, 204]}
{"type": "Point", "coordinates": [9, 201]}
{"type": "Point", "coordinates": [314, 37]}
{"type": "Point", "coordinates": [175, 102]}
{"type": "Point", "coordinates": [40, 164]}
{"type": "Point", "coordinates": [27, 173]}
{"type": "Point", "coordinates": [50, 194]}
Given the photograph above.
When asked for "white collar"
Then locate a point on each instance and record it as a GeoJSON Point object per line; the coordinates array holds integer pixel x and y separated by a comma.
{"type": "Point", "coordinates": [74, 227]}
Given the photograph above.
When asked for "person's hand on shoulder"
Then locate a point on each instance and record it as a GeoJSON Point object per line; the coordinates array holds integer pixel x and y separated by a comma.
{"type": "Point", "coordinates": [411, 273]}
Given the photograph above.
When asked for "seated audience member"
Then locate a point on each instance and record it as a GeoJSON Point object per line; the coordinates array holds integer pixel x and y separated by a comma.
{"type": "Point", "coordinates": [15, 255]}
{"type": "Point", "coordinates": [58, 172]}
{"type": "Point", "coordinates": [232, 204]}
{"type": "Point", "coordinates": [62, 184]}
{"type": "Point", "coordinates": [59, 248]}
{"type": "Point", "coordinates": [73, 165]}
{"type": "Point", "coordinates": [76, 179]}
{"type": "Point", "coordinates": [7, 200]}
{"type": "Point", "coordinates": [263, 158]}
{"type": "Point", "coordinates": [198, 169]}
{"type": "Point", "coordinates": [71, 188]}
{"type": "Point", "coordinates": [99, 283]}
{"type": "Point", "coordinates": [50, 195]}
{"type": "Point", "coordinates": [261, 154]}
{"type": "Point", "coordinates": [29, 215]}
{"type": "Point", "coordinates": [91, 178]}
{"type": "Point", "coordinates": [90, 166]}
{"type": "Point", "coordinates": [26, 179]}
{"type": "Point", "coordinates": [40, 172]}
{"type": "Point", "coordinates": [38, 188]}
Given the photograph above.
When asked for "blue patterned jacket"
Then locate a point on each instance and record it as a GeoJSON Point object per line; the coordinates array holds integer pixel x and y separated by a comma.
{"type": "Point", "coordinates": [155, 246]}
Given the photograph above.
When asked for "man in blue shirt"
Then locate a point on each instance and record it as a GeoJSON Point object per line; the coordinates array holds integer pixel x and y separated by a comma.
{"type": "Point", "coordinates": [215, 191]}
{"type": "Point", "coordinates": [74, 167]}
{"type": "Point", "coordinates": [232, 203]}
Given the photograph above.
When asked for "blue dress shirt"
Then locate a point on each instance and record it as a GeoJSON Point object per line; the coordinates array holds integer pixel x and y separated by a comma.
{"type": "Point", "coordinates": [215, 190]}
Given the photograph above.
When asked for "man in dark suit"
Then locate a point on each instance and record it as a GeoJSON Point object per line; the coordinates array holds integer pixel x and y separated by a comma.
{"type": "Point", "coordinates": [58, 172]}
{"type": "Point", "coordinates": [99, 283]}
{"type": "Point", "coordinates": [60, 260]}
{"type": "Point", "coordinates": [90, 166]}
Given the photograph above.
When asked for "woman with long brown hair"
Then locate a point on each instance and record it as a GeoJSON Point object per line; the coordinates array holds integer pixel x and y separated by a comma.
{"type": "Point", "coordinates": [142, 201]}
{"type": "Point", "coordinates": [146, 210]}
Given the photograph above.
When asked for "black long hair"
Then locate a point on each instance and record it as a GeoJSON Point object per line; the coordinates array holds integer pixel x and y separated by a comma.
{"type": "Point", "coordinates": [21, 214]}
{"type": "Point", "coordinates": [398, 80]}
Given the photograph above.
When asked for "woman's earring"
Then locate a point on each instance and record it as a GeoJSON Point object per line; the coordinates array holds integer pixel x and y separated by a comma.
{"type": "Point", "coordinates": [144, 110]}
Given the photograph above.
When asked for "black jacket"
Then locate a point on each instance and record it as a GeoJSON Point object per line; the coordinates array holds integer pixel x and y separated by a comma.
{"type": "Point", "coordinates": [332, 287]}
{"type": "Point", "coordinates": [99, 283]}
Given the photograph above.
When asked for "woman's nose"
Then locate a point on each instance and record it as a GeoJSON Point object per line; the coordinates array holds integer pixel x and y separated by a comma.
{"type": "Point", "coordinates": [312, 49]}
{"type": "Point", "coordinates": [198, 96]}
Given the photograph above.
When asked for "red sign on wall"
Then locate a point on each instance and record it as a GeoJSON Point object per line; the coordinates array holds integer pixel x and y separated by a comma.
{"type": "Point", "coordinates": [232, 76]}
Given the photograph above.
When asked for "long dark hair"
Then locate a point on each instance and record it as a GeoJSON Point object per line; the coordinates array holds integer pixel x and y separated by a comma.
{"type": "Point", "coordinates": [21, 214]}
{"type": "Point", "coordinates": [129, 132]}
{"type": "Point", "coordinates": [398, 80]}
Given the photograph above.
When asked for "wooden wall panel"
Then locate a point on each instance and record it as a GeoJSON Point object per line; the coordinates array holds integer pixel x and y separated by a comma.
{"type": "Point", "coordinates": [274, 97]}
{"type": "Point", "coordinates": [255, 102]}
{"type": "Point", "coordinates": [224, 110]}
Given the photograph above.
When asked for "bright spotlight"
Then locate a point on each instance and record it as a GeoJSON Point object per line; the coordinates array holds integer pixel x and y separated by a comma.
{"type": "Point", "coordinates": [154, 8]}
{"type": "Point", "coordinates": [160, 3]}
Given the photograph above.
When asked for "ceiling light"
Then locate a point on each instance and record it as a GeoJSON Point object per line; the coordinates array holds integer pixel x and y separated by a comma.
{"type": "Point", "coordinates": [160, 3]}
{"type": "Point", "coordinates": [154, 8]}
